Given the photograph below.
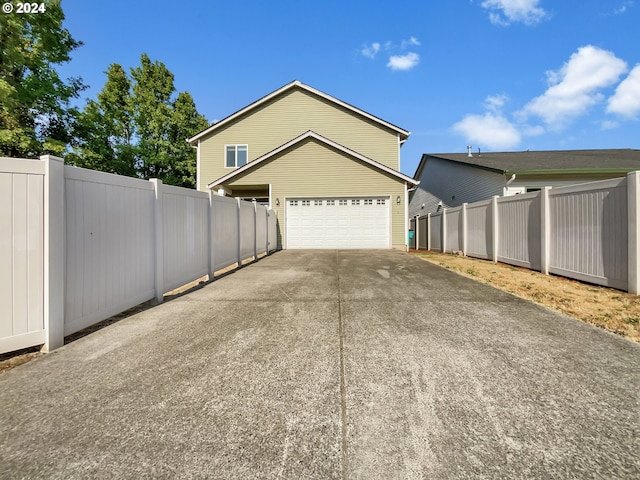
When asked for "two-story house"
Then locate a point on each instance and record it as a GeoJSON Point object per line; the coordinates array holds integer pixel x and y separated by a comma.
{"type": "Point", "coordinates": [328, 169]}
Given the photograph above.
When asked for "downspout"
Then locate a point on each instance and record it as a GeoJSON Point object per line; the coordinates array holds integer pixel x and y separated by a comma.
{"type": "Point", "coordinates": [506, 185]}
{"type": "Point", "coordinates": [406, 214]}
{"type": "Point", "coordinates": [406, 217]}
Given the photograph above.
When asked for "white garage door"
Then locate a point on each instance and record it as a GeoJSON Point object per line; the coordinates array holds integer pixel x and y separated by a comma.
{"type": "Point", "coordinates": [338, 222]}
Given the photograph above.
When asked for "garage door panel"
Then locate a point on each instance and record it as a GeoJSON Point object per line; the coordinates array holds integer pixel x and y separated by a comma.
{"type": "Point", "coordinates": [338, 223]}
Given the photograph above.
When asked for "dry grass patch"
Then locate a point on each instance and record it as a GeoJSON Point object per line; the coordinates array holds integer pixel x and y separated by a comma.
{"type": "Point", "coordinates": [613, 310]}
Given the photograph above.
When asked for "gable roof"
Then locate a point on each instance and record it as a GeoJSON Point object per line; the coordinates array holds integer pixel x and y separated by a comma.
{"type": "Point", "coordinates": [311, 134]}
{"type": "Point", "coordinates": [404, 134]}
{"type": "Point", "coordinates": [549, 162]}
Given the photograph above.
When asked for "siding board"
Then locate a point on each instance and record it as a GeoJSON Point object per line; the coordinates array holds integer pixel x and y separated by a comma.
{"type": "Point", "coordinates": [287, 116]}
{"type": "Point", "coordinates": [334, 174]}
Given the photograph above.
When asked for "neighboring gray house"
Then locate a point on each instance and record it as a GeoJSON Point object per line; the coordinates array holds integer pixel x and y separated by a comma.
{"type": "Point", "coordinates": [452, 179]}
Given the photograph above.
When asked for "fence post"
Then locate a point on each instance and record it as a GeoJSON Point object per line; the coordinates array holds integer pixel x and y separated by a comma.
{"type": "Point", "coordinates": [212, 250]}
{"type": "Point", "coordinates": [54, 252]}
{"type": "Point", "coordinates": [429, 231]}
{"type": "Point", "coordinates": [443, 236]}
{"type": "Point", "coordinates": [239, 233]}
{"type": "Point", "coordinates": [255, 230]}
{"type": "Point", "coordinates": [464, 229]}
{"type": "Point", "coordinates": [159, 238]}
{"type": "Point", "coordinates": [495, 228]}
{"type": "Point", "coordinates": [545, 230]}
{"type": "Point", "coordinates": [633, 213]}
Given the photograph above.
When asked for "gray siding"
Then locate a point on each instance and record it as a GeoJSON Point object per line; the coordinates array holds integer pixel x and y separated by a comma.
{"type": "Point", "coordinates": [453, 184]}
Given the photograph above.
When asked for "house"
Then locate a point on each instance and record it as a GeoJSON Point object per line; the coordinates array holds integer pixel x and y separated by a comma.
{"type": "Point", "coordinates": [449, 180]}
{"type": "Point", "coordinates": [328, 169]}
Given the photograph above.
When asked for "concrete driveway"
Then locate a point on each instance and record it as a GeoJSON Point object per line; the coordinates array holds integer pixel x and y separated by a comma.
{"type": "Point", "coordinates": [330, 364]}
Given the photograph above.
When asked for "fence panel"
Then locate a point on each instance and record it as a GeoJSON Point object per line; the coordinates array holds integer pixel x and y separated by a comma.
{"type": "Point", "coordinates": [262, 219]}
{"type": "Point", "coordinates": [435, 232]}
{"type": "Point", "coordinates": [185, 235]}
{"type": "Point", "coordinates": [422, 233]}
{"type": "Point", "coordinates": [225, 231]}
{"type": "Point", "coordinates": [589, 239]}
{"type": "Point", "coordinates": [21, 254]}
{"type": "Point", "coordinates": [247, 230]}
{"type": "Point", "coordinates": [110, 258]}
{"type": "Point", "coordinates": [273, 230]}
{"type": "Point", "coordinates": [479, 229]}
{"type": "Point", "coordinates": [454, 230]}
{"type": "Point", "coordinates": [519, 234]}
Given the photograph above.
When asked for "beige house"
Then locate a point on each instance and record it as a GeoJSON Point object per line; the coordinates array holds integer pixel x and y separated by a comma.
{"type": "Point", "coordinates": [328, 169]}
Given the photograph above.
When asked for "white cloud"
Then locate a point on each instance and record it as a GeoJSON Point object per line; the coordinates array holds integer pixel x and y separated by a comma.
{"type": "Point", "coordinates": [623, 8]}
{"type": "Point", "coordinates": [575, 87]}
{"type": "Point", "coordinates": [609, 125]}
{"type": "Point", "coordinates": [495, 103]}
{"type": "Point", "coordinates": [504, 12]}
{"type": "Point", "coordinates": [413, 41]}
{"type": "Point", "coordinates": [403, 62]}
{"type": "Point", "coordinates": [491, 130]}
{"type": "Point", "coordinates": [626, 99]}
{"type": "Point", "coordinates": [370, 51]}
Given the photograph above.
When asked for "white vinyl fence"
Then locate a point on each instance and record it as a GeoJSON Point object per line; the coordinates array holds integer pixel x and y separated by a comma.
{"type": "Point", "coordinates": [590, 232]}
{"type": "Point", "coordinates": [78, 246]}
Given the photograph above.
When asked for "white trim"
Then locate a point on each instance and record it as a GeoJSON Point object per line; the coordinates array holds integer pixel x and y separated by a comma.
{"type": "Point", "coordinates": [198, 166]}
{"type": "Point", "coordinates": [320, 138]}
{"type": "Point", "coordinates": [399, 159]}
{"type": "Point", "coordinates": [289, 86]}
{"type": "Point", "coordinates": [406, 216]}
{"type": "Point", "coordinates": [236, 145]}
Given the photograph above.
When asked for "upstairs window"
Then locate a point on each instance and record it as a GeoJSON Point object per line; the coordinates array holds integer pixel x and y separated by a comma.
{"type": "Point", "coordinates": [236, 155]}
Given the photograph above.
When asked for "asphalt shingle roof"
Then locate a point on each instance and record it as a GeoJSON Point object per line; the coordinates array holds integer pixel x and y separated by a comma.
{"type": "Point", "coordinates": [554, 160]}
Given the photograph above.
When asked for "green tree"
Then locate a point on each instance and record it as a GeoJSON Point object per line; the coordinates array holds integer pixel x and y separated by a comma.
{"type": "Point", "coordinates": [151, 100]}
{"type": "Point", "coordinates": [104, 131]}
{"type": "Point", "coordinates": [35, 114]}
{"type": "Point", "coordinates": [135, 128]}
{"type": "Point", "coordinates": [185, 122]}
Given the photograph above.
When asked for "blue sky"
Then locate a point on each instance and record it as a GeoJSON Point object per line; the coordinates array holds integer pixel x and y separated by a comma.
{"type": "Point", "coordinates": [500, 75]}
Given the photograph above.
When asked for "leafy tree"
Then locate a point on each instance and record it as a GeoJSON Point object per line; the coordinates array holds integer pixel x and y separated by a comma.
{"type": "Point", "coordinates": [135, 128]}
{"type": "Point", "coordinates": [185, 122]}
{"type": "Point", "coordinates": [151, 99]}
{"type": "Point", "coordinates": [35, 116]}
{"type": "Point", "coordinates": [104, 130]}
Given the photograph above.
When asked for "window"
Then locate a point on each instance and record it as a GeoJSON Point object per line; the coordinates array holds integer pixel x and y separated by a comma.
{"type": "Point", "coordinates": [331, 203]}
{"type": "Point", "coordinates": [236, 155]}
{"type": "Point", "coordinates": [306, 203]}
{"type": "Point", "coordinates": [368, 201]}
{"type": "Point", "coordinates": [342, 202]}
{"type": "Point", "coordinates": [317, 202]}
{"type": "Point", "coordinates": [380, 201]}
{"type": "Point", "coordinates": [293, 203]}
{"type": "Point", "coordinates": [355, 202]}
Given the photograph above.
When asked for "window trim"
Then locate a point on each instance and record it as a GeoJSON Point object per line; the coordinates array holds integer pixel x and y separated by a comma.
{"type": "Point", "coordinates": [235, 145]}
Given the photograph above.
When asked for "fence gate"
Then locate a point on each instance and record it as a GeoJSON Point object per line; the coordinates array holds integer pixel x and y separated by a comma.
{"type": "Point", "coordinates": [21, 253]}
